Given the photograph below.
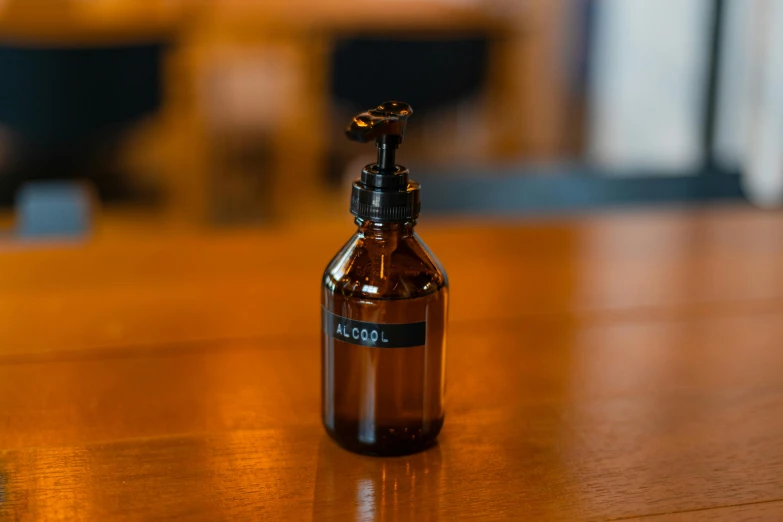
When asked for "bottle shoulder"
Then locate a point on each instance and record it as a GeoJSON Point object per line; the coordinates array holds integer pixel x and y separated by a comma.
{"type": "Point", "coordinates": [385, 268]}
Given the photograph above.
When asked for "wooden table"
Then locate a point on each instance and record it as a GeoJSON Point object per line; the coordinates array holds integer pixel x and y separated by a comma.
{"type": "Point", "coordinates": [605, 367]}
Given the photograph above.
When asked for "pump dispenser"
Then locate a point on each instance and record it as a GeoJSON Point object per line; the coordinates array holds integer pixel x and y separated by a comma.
{"type": "Point", "coordinates": [384, 309]}
{"type": "Point", "coordinates": [383, 194]}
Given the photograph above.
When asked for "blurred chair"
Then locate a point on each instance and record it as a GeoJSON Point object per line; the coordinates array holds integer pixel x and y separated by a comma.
{"type": "Point", "coordinates": [428, 73]}
{"type": "Point", "coordinates": [67, 109]}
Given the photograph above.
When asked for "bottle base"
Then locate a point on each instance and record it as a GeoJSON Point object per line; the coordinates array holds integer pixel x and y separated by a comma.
{"type": "Point", "coordinates": [385, 441]}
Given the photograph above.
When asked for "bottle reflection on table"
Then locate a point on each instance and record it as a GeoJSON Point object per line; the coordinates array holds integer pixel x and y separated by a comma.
{"type": "Point", "coordinates": [356, 487]}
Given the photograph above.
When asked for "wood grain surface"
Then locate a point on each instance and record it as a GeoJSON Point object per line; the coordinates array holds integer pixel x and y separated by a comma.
{"type": "Point", "coordinates": [619, 366]}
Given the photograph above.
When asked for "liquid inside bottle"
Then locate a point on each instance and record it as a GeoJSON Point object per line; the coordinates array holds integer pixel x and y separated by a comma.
{"type": "Point", "coordinates": [384, 301]}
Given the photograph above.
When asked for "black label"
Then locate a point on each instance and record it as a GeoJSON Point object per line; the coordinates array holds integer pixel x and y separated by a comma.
{"type": "Point", "coordinates": [374, 335]}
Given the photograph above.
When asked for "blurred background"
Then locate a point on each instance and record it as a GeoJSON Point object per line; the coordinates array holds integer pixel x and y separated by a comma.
{"type": "Point", "coordinates": [211, 113]}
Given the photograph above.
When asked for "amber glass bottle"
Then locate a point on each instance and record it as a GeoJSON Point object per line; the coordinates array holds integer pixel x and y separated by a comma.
{"type": "Point", "coordinates": [385, 302]}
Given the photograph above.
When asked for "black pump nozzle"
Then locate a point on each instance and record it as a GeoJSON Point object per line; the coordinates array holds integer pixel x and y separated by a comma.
{"type": "Point", "coordinates": [384, 193]}
{"type": "Point", "coordinates": [386, 125]}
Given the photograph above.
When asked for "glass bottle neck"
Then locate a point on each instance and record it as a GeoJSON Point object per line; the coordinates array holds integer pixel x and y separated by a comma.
{"type": "Point", "coordinates": [372, 229]}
